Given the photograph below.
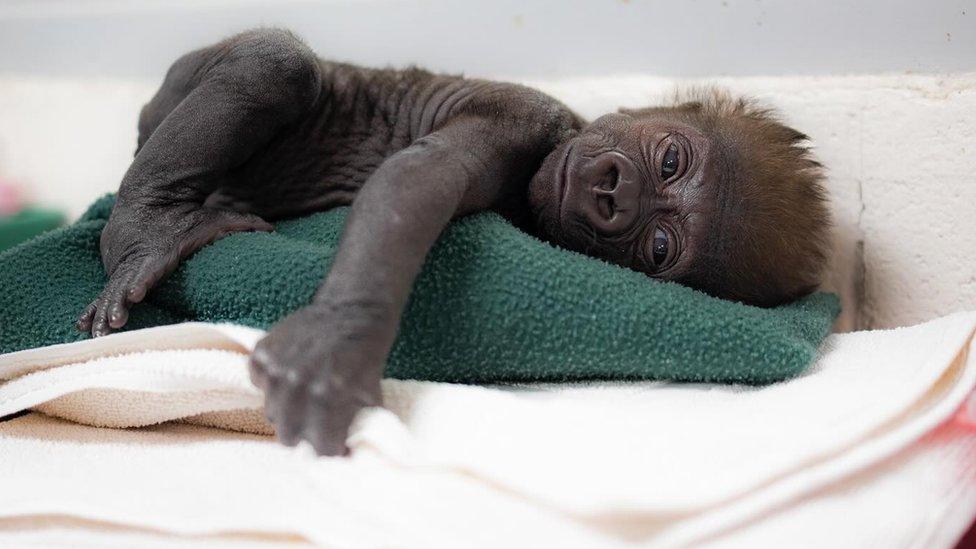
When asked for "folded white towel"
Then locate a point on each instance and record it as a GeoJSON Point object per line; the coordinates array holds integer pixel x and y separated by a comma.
{"type": "Point", "coordinates": [618, 463]}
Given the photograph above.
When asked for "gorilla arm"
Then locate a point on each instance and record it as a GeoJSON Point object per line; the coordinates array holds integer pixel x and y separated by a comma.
{"type": "Point", "coordinates": [323, 363]}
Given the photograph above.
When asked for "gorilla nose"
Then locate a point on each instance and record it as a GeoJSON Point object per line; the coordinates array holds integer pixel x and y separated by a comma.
{"type": "Point", "coordinates": [614, 192]}
{"type": "Point", "coordinates": [604, 195]}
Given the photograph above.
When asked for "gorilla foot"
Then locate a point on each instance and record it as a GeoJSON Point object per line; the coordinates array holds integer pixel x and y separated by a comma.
{"type": "Point", "coordinates": [136, 266]}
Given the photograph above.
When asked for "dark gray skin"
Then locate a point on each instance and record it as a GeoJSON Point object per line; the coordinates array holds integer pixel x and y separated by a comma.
{"type": "Point", "coordinates": [257, 129]}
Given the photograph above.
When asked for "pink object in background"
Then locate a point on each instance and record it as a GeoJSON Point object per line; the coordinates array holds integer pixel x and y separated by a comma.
{"type": "Point", "coordinates": [10, 200]}
{"type": "Point", "coordinates": [966, 415]}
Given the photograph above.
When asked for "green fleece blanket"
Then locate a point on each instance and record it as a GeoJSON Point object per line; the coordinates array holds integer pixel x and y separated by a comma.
{"type": "Point", "coordinates": [493, 304]}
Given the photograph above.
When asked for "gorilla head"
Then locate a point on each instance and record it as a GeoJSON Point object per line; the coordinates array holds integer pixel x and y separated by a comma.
{"type": "Point", "coordinates": [713, 192]}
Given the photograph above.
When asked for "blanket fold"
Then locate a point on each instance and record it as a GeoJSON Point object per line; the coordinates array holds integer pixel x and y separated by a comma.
{"type": "Point", "coordinates": [575, 465]}
{"type": "Point", "coordinates": [492, 304]}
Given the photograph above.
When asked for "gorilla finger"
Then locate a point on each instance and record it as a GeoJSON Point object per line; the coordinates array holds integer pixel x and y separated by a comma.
{"type": "Point", "coordinates": [328, 440]}
{"type": "Point", "coordinates": [271, 398]}
{"type": "Point", "coordinates": [259, 376]}
{"type": "Point", "coordinates": [118, 312]}
{"type": "Point", "coordinates": [142, 280]}
{"type": "Point", "coordinates": [280, 408]}
{"type": "Point", "coordinates": [118, 315]}
{"type": "Point", "coordinates": [118, 305]}
{"type": "Point", "coordinates": [290, 409]}
{"type": "Point", "coordinates": [328, 422]}
{"type": "Point", "coordinates": [84, 322]}
{"type": "Point", "coordinates": [263, 366]}
{"type": "Point", "coordinates": [113, 297]}
{"type": "Point", "coordinates": [100, 325]}
{"type": "Point", "coordinates": [137, 292]}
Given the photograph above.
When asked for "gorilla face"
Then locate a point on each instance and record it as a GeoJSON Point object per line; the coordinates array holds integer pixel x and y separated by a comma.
{"type": "Point", "coordinates": [632, 190]}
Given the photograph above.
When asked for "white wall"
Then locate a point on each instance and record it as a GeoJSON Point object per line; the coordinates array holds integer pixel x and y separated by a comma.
{"type": "Point", "coordinates": [524, 38]}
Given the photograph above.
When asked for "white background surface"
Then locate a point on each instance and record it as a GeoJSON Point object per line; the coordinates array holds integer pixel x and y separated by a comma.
{"type": "Point", "coordinates": [535, 38]}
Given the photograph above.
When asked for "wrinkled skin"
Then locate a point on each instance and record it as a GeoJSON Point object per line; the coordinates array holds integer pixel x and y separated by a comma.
{"type": "Point", "coordinates": [257, 128]}
{"type": "Point", "coordinates": [607, 193]}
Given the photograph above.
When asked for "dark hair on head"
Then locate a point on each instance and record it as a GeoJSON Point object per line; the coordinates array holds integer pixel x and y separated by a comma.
{"type": "Point", "coordinates": [769, 237]}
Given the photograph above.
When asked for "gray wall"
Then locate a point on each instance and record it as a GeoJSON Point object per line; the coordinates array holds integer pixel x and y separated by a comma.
{"type": "Point", "coordinates": [520, 39]}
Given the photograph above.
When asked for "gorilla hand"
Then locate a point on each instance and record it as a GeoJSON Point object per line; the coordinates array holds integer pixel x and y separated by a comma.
{"type": "Point", "coordinates": [318, 367]}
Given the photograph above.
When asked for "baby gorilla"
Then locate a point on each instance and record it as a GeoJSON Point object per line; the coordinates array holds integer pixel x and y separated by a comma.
{"type": "Point", "coordinates": [713, 193]}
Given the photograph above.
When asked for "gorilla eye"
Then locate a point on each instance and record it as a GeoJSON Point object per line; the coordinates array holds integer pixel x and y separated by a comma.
{"type": "Point", "coordinates": [660, 248]}
{"type": "Point", "coordinates": [669, 165]}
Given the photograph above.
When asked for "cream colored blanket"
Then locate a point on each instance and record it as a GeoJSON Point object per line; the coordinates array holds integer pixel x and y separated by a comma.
{"type": "Point", "coordinates": [851, 452]}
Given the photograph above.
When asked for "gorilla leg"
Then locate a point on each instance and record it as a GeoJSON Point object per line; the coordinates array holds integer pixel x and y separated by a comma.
{"type": "Point", "coordinates": [216, 107]}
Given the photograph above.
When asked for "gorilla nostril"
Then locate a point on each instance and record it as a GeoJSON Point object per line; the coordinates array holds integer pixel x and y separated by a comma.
{"type": "Point", "coordinates": [606, 206]}
{"type": "Point", "coordinates": [603, 191]}
{"type": "Point", "coordinates": [609, 181]}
